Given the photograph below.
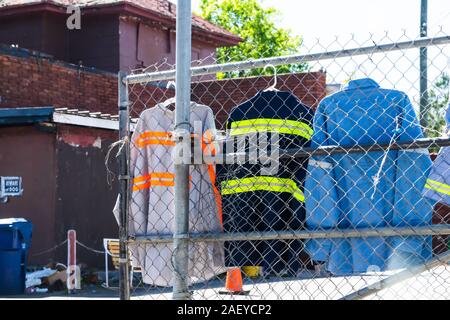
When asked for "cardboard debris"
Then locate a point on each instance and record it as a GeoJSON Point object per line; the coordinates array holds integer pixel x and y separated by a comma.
{"type": "Point", "coordinates": [60, 275]}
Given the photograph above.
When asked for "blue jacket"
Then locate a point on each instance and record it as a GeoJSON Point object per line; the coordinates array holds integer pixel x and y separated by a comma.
{"type": "Point", "coordinates": [438, 183]}
{"type": "Point", "coordinates": [340, 190]}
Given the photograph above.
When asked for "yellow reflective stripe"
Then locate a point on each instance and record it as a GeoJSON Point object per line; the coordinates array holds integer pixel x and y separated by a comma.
{"type": "Point", "coordinates": [271, 184]}
{"type": "Point", "coordinates": [296, 132]}
{"type": "Point", "coordinates": [253, 180]}
{"type": "Point", "coordinates": [271, 122]}
{"type": "Point", "coordinates": [298, 194]}
{"type": "Point", "coordinates": [440, 184]}
{"type": "Point", "coordinates": [271, 125]}
{"type": "Point", "coordinates": [437, 189]}
{"type": "Point", "coordinates": [437, 186]}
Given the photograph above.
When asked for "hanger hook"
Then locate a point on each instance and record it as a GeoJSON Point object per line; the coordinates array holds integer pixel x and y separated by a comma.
{"type": "Point", "coordinates": [171, 84]}
{"type": "Point", "coordinates": [274, 73]}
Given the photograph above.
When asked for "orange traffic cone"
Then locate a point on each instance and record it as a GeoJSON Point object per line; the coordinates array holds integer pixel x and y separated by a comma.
{"type": "Point", "coordinates": [233, 284]}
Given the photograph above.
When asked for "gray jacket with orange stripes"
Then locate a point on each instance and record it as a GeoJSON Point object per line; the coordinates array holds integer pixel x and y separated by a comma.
{"type": "Point", "coordinates": [152, 205]}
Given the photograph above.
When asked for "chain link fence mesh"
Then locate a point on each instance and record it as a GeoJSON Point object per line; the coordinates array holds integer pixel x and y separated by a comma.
{"type": "Point", "coordinates": [310, 183]}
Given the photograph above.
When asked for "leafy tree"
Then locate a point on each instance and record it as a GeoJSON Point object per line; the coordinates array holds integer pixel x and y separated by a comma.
{"type": "Point", "coordinates": [256, 26]}
{"type": "Point", "coordinates": [438, 100]}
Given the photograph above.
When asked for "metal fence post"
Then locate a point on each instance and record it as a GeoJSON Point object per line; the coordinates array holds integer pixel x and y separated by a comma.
{"type": "Point", "coordinates": [183, 98]}
{"type": "Point", "coordinates": [423, 61]}
{"type": "Point", "coordinates": [124, 178]}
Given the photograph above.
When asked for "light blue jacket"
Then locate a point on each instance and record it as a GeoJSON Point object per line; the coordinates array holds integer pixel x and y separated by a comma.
{"type": "Point", "coordinates": [438, 183]}
{"type": "Point", "coordinates": [340, 187]}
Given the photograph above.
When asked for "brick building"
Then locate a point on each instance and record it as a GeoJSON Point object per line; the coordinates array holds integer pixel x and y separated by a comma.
{"type": "Point", "coordinates": [65, 184]}
{"type": "Point", "coordinates": [114, 35]}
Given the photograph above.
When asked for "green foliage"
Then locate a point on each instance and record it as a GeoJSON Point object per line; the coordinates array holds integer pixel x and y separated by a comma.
{"type": "Point", "coordinates": [438, 98]}
{"type": "Point", "coordinates": [256, 26]}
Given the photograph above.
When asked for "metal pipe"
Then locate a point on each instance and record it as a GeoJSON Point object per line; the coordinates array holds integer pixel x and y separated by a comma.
{"type": "Point", "coordinates": [124, 179]}
{"type": "Point", "coordinates": [443, 229]}
{"type": "Point", "coordinates": [424, 143]}
{"type": "Point", "coordinates": [423, 64]}
{"type": "Point", "coordinates": [399, 277]}
{"type": "Point", "coordinates": [182, 125]}
{"type": "Point", "coordinates": [291, 59]}
{"type": "Point", "coordinates": [329, 150]}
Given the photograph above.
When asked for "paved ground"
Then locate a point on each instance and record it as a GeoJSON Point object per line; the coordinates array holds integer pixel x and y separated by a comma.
{"type": "Point", "coordinates": [433, 285]}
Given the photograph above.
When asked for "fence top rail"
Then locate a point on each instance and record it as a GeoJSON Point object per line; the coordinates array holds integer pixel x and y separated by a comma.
{"type": "Point", "coordinates": [291, 59]}
{"type": "Point", "coordinates": [425, 143]}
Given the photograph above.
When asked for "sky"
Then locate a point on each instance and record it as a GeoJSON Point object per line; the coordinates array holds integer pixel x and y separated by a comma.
{"type": "Point", "coordinates": [327, 25]}
{"type": "Point", "coordinates": [317, 18]}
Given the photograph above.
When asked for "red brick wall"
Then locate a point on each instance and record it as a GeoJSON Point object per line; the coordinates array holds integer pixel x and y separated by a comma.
{"type": "Point", "coordinates": [28, 81]}
{"type": "Point", "coordinates": [223, 95]}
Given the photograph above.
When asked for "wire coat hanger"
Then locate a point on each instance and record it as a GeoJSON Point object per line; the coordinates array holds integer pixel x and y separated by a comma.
{"type": "Point", "coordinates": [274, 86]}
{"type": "Point", "coordinates": [169, 101]}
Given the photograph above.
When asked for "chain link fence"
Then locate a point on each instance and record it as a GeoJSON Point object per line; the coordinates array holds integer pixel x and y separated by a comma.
{"type": "Point", "coordinates": [314, 176]}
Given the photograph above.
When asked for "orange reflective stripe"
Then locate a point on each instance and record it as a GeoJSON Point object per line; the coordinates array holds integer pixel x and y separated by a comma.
{"type": "Point", "coordinates": [153, 183]}
{"type": "Point", "coordinates": [217, 195]}
{"type": "Point", "coordinates": [157, 179]}
{"type": "Point", "coordinates": [164, 175]}
{"type": "Point", "coordinates": [208, 136]}
{"type": "Point", "coordinates": [159, 183]}
{"type": "Point", "coordinates": [208, 143]}
{"type": "Point", "coordinates": [155, 138]}
{"type": "Point", "coordinates": [141, 179]}
{"type": "Point", "coordinates": [145, 143]}
{"type": "Point", "coordinates": [141, 186]}
{"type": "Point", "coordinates": [152, 134]}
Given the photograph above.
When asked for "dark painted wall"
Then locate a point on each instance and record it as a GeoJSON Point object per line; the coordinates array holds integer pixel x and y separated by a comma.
{"type": "Point", "coordinates": [65, 187]}
{"type": "Point", "coordinates": [105, 41]}
{"type": "Point", "coordinates": [96, 44]}
{"type": "Point", "coordinates": [84, 198]}
{"type": "Point", "coordinates": [27, 35]}
{"type": "Point", "coordinates": [42, 32]}
{"type": "Point", "coordinates": [28, 152]}
{"type": "Point", "coordinates": [141, 44]}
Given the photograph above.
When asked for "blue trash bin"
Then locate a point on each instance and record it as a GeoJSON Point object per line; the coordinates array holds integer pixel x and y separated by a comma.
{"type": "Point", "coordinates": [15, 240]}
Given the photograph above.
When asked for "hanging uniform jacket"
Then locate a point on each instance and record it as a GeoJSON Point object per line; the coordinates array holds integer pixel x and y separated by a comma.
{"type": "Point", "coordinates": [255, 199]}
{"type": "Point", "coordinates": [152, 204]}
{"type": "Point", "coordinates": [438, 183]}
{"type": "Point", "coordinates": [340, 189]}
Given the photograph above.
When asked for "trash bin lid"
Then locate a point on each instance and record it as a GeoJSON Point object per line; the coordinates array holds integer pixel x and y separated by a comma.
{"type": "Point", "coordinates": [12, 220]}
{"type": "Point", "coordinates": [20, 224]}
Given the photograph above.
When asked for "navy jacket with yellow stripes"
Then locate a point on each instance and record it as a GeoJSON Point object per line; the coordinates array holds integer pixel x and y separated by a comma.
{"type": "Point", "coordinates": [266, 194]}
